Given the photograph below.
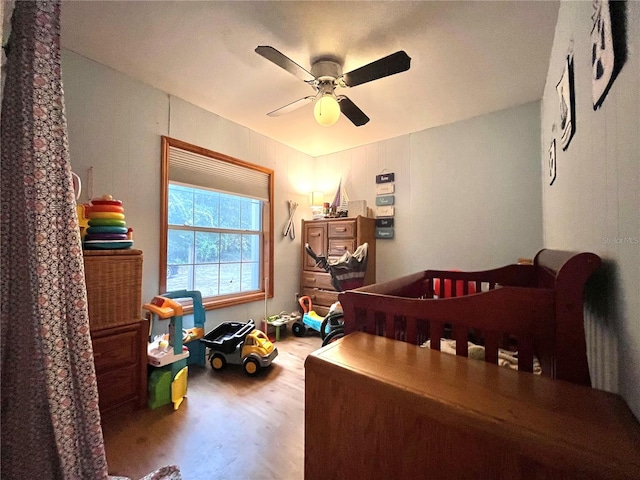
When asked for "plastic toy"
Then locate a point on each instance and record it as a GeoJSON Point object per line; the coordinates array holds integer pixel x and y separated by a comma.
{"type": "Point", "coordinates": [314, 321]}
{"type": "Point", "coordinates": [197, 351]}
{"type": "Point", "coordinates": [171, 357]}
{"type": "Point", "coordinates": [347, 273]}
{"type": "Point", "coordinates": [239, 343]}
{"type": "Point", "coordinates": [281, 320]}
{"type": "Point", "coordinates": [106, 227]}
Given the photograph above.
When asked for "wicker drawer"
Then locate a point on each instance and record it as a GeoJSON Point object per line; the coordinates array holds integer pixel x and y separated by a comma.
{"type": "Point", "coordinates": [338, 247]}
{"type": "Point", "coordinates": [116, 349]}
{"type": "Point", "coordinates": [342, 229]}
{"type": "Point", "coordinates": [316, 280]}
{"type": "Point", "coordinates": [114, 286]}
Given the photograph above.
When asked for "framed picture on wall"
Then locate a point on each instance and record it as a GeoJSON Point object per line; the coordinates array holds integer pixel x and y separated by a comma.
{"type": "Point", "coordinates": [552, 162]}
{"type": "Point", "coordinates": [566, 96]}
{"type": "Point", "coordinates": [608, 46]}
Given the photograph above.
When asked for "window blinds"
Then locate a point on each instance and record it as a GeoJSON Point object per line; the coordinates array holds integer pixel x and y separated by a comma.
{"type": "Point", "coordinates": [198, 170]}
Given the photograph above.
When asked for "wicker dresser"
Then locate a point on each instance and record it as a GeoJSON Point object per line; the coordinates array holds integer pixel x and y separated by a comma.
{"type": "Point", "coordinates": [118, 331]}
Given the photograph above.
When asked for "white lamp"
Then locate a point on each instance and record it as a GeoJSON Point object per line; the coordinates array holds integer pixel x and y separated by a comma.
{"type": "Point", "coordinates": [327, 110]}
{"type": "Point", "coordinates": [317, 201]}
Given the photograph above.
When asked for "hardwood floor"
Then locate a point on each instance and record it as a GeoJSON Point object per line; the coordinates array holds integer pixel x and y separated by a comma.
{"type": "Point", "coordinates": [230, 426]}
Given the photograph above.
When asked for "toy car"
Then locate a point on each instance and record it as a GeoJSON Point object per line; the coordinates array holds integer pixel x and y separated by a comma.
{"type": "Point", "coordinates": [239, 343]}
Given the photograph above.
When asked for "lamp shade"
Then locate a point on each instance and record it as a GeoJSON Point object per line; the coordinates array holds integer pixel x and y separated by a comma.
{"type": "Point", "coordinates": [317, 199]}
{"type": "Point", "coordinates": [327, 110]}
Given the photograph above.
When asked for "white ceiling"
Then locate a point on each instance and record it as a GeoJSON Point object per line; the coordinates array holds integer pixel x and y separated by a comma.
{"type": "Point", "coordinates": [468, 58]}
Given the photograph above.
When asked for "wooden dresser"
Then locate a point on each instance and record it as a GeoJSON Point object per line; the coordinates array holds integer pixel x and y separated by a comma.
{"type": "Point", "coordinates": [333, 237]}
{"type": "Point", "coordinates": [379, 408]}
{"type": "Point", "coordinates": [118, 332]}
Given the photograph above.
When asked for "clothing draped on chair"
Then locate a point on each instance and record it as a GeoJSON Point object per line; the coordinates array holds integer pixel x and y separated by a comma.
{"type": "Point", "coordinates": [50, 418]}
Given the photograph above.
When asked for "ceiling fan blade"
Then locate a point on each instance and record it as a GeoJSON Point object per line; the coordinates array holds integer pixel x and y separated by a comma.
{"type": "Point", "coordinates": [352, 112]}
{"type": "Point", "coordinates": [292, 106]}
{"type": "Point", "coordinates": [285, 62]}
{"type": "Point", "coordinates": [389, 65]}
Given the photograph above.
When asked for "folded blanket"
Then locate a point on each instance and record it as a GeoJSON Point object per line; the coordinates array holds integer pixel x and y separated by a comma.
{"type": "Point", "coordinates": [506, 358]}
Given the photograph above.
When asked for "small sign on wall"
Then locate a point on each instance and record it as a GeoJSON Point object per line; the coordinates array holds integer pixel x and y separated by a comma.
{"type": "Point", "coordinates": [385, 177]}
{"type": "Point", "coordinates": [385, 200]}
{"type": "Point", "coordinates": [385, 188]}
{"type": "Point", "coordinates": [386, 211]}
{"type": "Point", "coordinates": [384, 232]}
{"type": "Point", "coordinates": [384, 222]}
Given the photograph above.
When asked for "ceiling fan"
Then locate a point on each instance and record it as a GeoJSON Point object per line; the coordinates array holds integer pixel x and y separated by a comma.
{"type": "Point", "coordinates": [326, 74]}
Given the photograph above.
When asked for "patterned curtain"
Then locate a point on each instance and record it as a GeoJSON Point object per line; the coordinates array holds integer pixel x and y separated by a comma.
{"type": "Point", "coordinates": [50, 422]}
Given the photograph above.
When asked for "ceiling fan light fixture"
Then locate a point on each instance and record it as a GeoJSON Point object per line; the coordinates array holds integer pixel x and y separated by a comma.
{"type": "Point", "coordinates": [327, 110]}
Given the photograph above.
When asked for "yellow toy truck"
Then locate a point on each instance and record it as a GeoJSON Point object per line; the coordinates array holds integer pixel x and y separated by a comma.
{"type": "Point", "coordinates": [239, 343]}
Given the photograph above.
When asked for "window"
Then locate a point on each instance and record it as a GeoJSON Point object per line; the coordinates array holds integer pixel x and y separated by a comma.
{"type": "Point", "coordinates": [216, 225]}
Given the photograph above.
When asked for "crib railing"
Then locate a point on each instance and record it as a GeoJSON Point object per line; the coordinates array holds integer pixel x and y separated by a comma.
{"type": "Point", "coordinates": [492, 308]}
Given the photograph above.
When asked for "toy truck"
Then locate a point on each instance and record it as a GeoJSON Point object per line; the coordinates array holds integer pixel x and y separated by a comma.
{"type": "Point", "coordinates": [239, 343]}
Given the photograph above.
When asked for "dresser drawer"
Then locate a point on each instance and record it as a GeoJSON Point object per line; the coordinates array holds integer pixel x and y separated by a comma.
{"type": "Point", "coordinates": [316, 236]}
{"type": "Point", "coordinates": [118, 386]}
{"type": "Point", "coordinates": [321, 297]}
{"type": "Point", "coordinates": [338, 247]}
{"type": "Point", "coordinates": [342, 229]}
{"type": "Point", "coordinates": [116, 347]}
{"type": "Point", "coordinates": [316, 280]}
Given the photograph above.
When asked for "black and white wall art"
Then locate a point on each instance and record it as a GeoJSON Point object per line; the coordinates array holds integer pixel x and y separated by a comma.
{"type": "Point", "coordinates": [608, 46]}
{"type": "Point", "coordinates": [552, 162]}
{"type": "Point", "coordinates": [566, 95]}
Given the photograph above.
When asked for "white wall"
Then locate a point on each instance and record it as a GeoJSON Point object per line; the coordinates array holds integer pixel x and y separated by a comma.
{"type": "Point", "coordinates": [115, 124]}
{"type": "Point", "coordinates": [594, 203]}
{"type": "Point", "coordinates": [468, 195]}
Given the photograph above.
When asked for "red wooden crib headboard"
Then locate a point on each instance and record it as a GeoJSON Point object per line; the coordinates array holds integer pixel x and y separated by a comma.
{"type": "Point", "coordinates": [567, 273]}
{"type": "Point", "coordinates": [540, 304]}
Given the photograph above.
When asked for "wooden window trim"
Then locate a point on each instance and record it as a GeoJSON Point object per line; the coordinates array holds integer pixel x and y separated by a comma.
{"type": "Point", "coordinates": [267, 246]}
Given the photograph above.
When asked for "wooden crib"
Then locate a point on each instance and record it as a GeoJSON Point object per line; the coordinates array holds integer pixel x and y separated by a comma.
{"type": "Point", "coordinates": [536, 309]}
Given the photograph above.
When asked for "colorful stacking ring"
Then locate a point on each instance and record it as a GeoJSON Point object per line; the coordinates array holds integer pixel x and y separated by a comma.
{"type": "Point", "coordinates": [105, 236]}
{"type": "Point", "coordinates": [106, 229]}
{"type": "Point", "coordinates": [106, 222]}
{"type": "Point", "coordinates": [106, 208]}
{"type": "Point", "coordinates": [101, 201]}
{"type": "Point", "coordinates": [110, 215]}
{"type": "Point", "coordinates": [107, 244]}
